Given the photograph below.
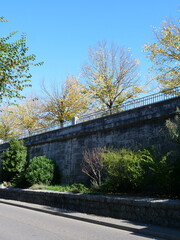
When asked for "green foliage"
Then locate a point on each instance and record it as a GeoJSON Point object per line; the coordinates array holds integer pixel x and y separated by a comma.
{"type": "Point", "coordinates": [14, 65]}
{"type": "Point", "coordinates": [143, 170]}
{"type": "Point", "coordinates": [5, 132]}
{"type": "Point", "coordinates": [40, 170]}
{"type": "Point", "coordinates": [123, 170]}
{"type": "Point", "coordinates": [14, 161]}
{"type": "Point", "coordinates": [157, 171]}
{"type": "Point", "coordinates": [79, 188]}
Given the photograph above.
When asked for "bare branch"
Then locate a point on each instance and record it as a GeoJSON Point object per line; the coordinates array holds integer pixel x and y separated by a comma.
{"type": "Point", "coordinates": [92, 164]}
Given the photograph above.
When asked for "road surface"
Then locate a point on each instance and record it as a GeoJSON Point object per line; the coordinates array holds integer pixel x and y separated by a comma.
{"type": "Point", "coordinates": [23, 224]}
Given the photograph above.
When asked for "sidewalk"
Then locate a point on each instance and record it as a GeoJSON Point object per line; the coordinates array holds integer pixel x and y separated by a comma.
{"type": "Point", "coordinates": [150, 230]}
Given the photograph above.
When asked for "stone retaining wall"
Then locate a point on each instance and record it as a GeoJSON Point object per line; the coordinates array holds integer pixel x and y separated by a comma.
{"type": "Point", "coordinates": [162, 212]}
{"type": "Point", "coordinates": [137, 128]}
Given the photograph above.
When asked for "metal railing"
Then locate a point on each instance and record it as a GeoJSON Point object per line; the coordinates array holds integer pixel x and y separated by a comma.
{"type": "Point", "coordinates": [136, 103]}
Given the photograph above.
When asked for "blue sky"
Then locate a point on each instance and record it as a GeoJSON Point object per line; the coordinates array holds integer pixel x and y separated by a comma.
{"type": "Point", "coordinates": [60, 32]}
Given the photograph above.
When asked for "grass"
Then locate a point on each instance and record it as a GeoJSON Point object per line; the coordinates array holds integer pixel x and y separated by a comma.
{"type": "Point", "coordinates": [80, 188]}
{"type": "Point", "coordinates": [74, 188]}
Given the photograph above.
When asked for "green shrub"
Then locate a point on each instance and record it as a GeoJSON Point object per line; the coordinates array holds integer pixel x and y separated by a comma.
{"type": "Point", "coordinates": [78, 188]}
{"type": "Point", "coordinates": [157, 171]}
{"type": "Point", "coordinates": [14, 162]}
{"type": "Point", "coordinates": [40, 170]}
{"type": "Point", "coordinates": [123, 170]}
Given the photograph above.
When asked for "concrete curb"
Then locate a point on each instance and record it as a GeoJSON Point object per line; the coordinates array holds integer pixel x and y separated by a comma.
{"type": "Point", "coordinates": [154, 231]}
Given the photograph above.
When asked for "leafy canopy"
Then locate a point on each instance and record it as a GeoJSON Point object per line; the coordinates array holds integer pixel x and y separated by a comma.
{"type": "Point", "coordinates": [111, 75]}
{"type": "Point", "coordinates": [8, 127]}
{"type": "Point", "coordinates": [25, 117]}
{"type": "Point", "coordinates": [14, 65]}
{"type": "Point", "coordinates": [28, 115]}
{"type": "Point", "coordinates": [63, 104]}
{"type": "Point", "coordinates": [165, 55]}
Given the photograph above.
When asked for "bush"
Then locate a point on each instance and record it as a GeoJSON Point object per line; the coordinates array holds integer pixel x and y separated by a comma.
{"type": "Point", "coordinates": [78, 188]}
{"type": "Point", "coordinates": [157, 171]}
{"type": "Point", "coordinates": [14, 162]}
{"type": "Point", "coordinates": [123, 168]}
{"type": "Point", "coordinates": [40, 170]}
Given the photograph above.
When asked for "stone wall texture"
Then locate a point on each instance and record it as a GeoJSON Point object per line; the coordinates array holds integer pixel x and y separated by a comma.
{"type": "Point", "coordinates": [136, 128]}
{"type": "Point", "coordinates": [163, 212]}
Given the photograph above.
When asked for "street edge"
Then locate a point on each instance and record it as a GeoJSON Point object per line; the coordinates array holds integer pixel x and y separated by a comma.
{"type": "Point", "coordinates": [84, 219]}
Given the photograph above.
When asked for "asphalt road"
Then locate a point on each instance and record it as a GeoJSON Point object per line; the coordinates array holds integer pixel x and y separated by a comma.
{"type": "Point", "coordinates": [23, 224]}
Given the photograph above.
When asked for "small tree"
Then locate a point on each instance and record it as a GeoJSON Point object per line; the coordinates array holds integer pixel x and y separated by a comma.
{"type": "Point", "coordinates": [92, 165]}
{"type": "Point", "coordinates": [14, 161]}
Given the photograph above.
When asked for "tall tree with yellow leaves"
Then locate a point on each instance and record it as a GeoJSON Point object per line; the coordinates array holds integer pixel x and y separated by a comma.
{"type": "Point", "coordinates": [8, 128]}
{"type": "Point", "coordinates": [165, 55]}
{"type": "Point", "coordinates": [111, 75]}
{"type": "Point", "coordinates": [28, 115]}
{"type": "Point", "coordinates": [62, 104]}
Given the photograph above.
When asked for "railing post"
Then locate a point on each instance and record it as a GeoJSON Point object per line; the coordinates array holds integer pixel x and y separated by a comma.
{"type": "Point", "coordinates": [74, 120]}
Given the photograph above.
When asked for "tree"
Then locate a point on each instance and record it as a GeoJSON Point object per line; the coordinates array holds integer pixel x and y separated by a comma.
{"type": "Point", "coordinates": [14, 65]}
{"type": "Point", "coordinates": [5, 132]}
{"type": "Point", "coordinates": [62, 105]}
{"type": "Point", "coordinates": [8, 126]}
{"type": "Point", "coordinates": [28, 115]}
{"type": "Point", "coordinates": [165, 55]}
{"type": "Point", "coordinates": [24, 117]}
{"type": "Point", "coordinates": [111, 75]}
{"type": "Point", "coordinates": [14, 161]}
